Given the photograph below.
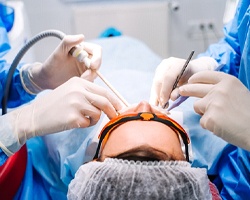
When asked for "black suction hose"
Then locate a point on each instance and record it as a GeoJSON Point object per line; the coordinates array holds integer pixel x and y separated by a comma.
{"type": "Point", "coordinates": [25, 48]}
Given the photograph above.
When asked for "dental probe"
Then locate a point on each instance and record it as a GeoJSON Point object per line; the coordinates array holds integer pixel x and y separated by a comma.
{"type": "Point", "coordinates": [181, 99]}
{"type": "Point", "coordinates": [181, 73]}
{"type": "Point", "coordinates": [82, 56]}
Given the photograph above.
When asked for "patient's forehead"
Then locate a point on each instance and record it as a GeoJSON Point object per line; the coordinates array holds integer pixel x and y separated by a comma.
{"type": "Point", "coordinates": [134, 134]}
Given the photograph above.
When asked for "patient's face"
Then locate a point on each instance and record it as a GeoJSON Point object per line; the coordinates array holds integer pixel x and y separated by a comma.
{"type": "Point", "coordinates": [143, 140]}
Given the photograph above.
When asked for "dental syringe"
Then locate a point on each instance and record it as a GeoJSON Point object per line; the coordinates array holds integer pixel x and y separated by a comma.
{"type": "Point", "coordinates": [82, 56]}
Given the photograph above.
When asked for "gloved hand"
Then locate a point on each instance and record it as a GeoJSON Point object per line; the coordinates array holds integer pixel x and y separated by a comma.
{"type": "Point", "coordinates": [61, 66]}
{"type": "Point", "coordinates": [75, 104]}
{"type": "Point", "coordinates": [224, 105]}
{"type": "Point", "coordinates": [167, 72]}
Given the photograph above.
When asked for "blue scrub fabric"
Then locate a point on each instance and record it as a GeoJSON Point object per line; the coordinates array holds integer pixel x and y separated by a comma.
{"type": "Point", "coordinates": [233, 178]}
{"type": "Point", "coordinates": [17, 95]}
{"type": "Point", "coordinates": [7, 15]}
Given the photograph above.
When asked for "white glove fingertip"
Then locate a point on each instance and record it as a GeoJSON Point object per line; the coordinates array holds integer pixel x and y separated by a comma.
{"type": "Point", "coordinates": [174, 95]}
{"type": "Point", "coordinates": [182, 90]}
{"type": "Point", "coordinates": [95, 62]}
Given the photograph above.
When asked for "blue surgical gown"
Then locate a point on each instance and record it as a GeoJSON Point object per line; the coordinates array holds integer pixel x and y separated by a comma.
{"type": "Point", "coordinates": [233, 50]}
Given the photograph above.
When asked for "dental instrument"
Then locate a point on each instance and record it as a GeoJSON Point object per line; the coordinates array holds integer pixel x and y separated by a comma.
{"type": "Point", "coordinates": [181, 99]}
{"type": "Point", "coordinates": [181, 73]}
{"type": "Point", "coordinates": [82, 56]}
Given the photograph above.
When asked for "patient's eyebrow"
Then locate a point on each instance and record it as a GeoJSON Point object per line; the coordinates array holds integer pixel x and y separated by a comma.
{"type": "Point", "coordinates": [142, 153]}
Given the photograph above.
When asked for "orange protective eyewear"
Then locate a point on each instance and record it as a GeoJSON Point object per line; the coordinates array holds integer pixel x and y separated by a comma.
{"type": "Point", "coordinates": [144, 116]}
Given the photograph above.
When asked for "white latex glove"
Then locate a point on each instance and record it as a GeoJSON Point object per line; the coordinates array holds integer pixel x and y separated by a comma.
{"type": "Point", "coordinates": [75, 104]}
{"type": "Point", "coordinates": [61, 66]}
{"type": "Point", "coordinates": [167, 72]}
{"type": "Point", "coordinates": [224, 105]}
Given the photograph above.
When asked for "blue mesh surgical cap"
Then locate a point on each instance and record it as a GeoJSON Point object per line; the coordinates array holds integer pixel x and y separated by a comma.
{"type": "Point", "coordinates": [122, 179]}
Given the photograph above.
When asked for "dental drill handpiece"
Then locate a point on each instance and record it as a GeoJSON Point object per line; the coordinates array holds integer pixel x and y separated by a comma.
{"type": "Point", "coordinates": [82, 56]}
{"type": "Point", "coordinates": [181, 99]}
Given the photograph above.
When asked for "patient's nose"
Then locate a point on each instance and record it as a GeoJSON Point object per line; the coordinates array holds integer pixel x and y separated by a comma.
{"type": "Point", "coordinates": [143, 106]}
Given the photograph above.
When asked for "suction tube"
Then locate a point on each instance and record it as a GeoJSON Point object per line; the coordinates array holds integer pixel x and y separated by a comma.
{"type": "Point", "coordinates": [19, 56]}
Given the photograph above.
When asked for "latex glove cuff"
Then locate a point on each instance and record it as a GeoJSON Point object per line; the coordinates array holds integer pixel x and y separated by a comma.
{"type": "Point", "coordinates": [27, 79]}
{"type": "Point", "coordinates": [9, 141]}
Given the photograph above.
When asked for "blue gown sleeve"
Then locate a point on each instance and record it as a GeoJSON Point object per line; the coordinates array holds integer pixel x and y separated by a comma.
{"type": "Point", "coordinates": [18, 95]}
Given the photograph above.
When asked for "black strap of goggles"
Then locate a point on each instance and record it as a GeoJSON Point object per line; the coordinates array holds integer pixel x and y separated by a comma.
{"type": "Point", "coordinates": [137, 117]}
